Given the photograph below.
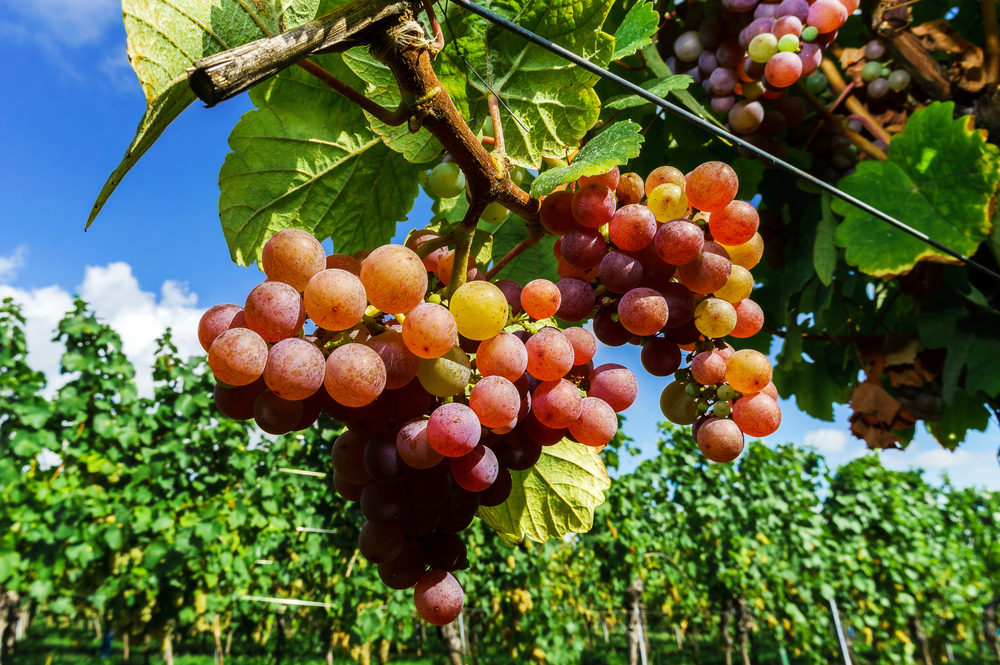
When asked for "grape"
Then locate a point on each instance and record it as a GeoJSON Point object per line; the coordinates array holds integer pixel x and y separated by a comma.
{"type": "Point", "coordinates": [788, 26]}
{"type": "Point", "coordinates": [556, 403]}
{"type": "Point", "coordinates": [709, 270]}
{"type": "Point", "coordinates": [614, 384]}
{"type": "Point", "coordinates": [453, 429]}
{"type": "Point", "coordinates": [660, 356]}
{"type": "Point", "coordinates": [735, 224]}
{"type": "Point", "coordinates": [380, 542]}
{"type": "Point", "coordinates": [511, 291]}
{"type": "Point", "coordinates": [476, 470]}
{"type": "Point", "coordinates": [758, 26]}
{"type": "Point", "coordinates": [632, 227]}
{"type": "Point", "coordinates": [738, 287]}
{"type": "Point", "coordinates": [745, 117]}
{"type": "Point", "coordinates": [355, 375]}
{"type": "Point", "coordinates": [871, 71]}
{"type": "Point", "coordinates": [583, 249]}
{"type": "Point", "coordinates": [597, 423]}
{"type": "Point", "coordinates": [720, 440]}
{"type": "Point", "coordinates": [446, 265]}
{"type": "Point", "coordinates": [348, 457]}
{"type": "Point", "coordinates": [382, 462]}
{"type": "Point", "coordinates": [345, 488]}
{"type": "Point", "coordinates": [421, 522]}
{"type": "Point", "coordinates": [344, 262]}
{"type": "Point", "coordinates": [878, 88]}
{"type": "Point", "coordinates": [556, 213]}
{"type": "Point", "coordinates": [667, 201]}
{"type": "Point", "coordinates": [335, 299]}
{"type": "Point", "coordinates": [748, 371]}
{"type": "Point", "coordinates": [458, 510]}
{"type": "Point", "coordinates": [826, 15]}
{"type": "Point", "coordinates": [609, 179]}
{"type": "Point", "coordinates": [680, 304]}
{"type": "Point", "coordinates": [783, 69]}
{"type": "Point", "coordinates": [874, 50]}
{"type": "Point", "coordinates": [550, 354]}
{"type": "Point", "coordinates": [395, 278]}
{"type": "Point", "coordinates": [274, 311]}
{"type": "Point", "coordinates": [796, 8]}
{"type": "Point", "coordinates": [292, 256]}
{"type": "Point", "coordinates": [642, 311]}
{"type": "Point", "coordinates": [406, 569]}
{"type": "Point", "coordinates": [447, 375]}
{"type": "Point", "coordinates": [810, 33]}
{"type": "Point", "coordinates": [707, 62]}
{"type": "Point", "coordinates": [609, 330]}
{"type": "Point", "coordinates": [757, 415]}
{"type": "Point", "coordinates": [620, 272]}
{"type": "Point", "coordinates": [446, 180]}
{"type": "Point", "coordinates": [687, 47]}
{"type": "Point", "coordinates": [712, 186]}
{"type": "Point", "coordinates": [678, 241]}
{"type": "Point", "coordinates": [788, 44]}
{"type": "Point", "coordinates": [748, 254]}
{"type": "Point", "coordinates": [417, 238]}
{"type": "Point", "coordinates": [401, 364]}
{"type": "Point", "coordinates": [214, 322]}
{"type": "Point", "coordinates": [811, 56]}
{"type": "Point", "coordinates": [728, 54]}
{"type": "Point", "coordinates": [593, 205]}
{"type": "Point", "coordinates": [503, 355]}
{"type": "Point", "coordinates": [534, 435]}
{"type": "Point", "coordinates": [294, 369]}
{"type": "Point", "coordinates": [237, 402]}
{"type": "Point", "coordinates": [567, 271]}
{"type": "Point", "coordinates": [498, 492]}
{"type": "Point", "coordinates": [708, 368]}
{"type": "Point", "coordinates": [630, 189]}
{"type": "Point", "coordinates": [438, 597]}
{"type": "Point", "coordinates": [677, 406]}
{"type": "Point", "coordinates": [662, 175]}
{"type": "Point", "coordinates": [446, 551]}
{"type": "Point", "coordinates": [851, 5]}
{"type": "Point", "coordinates": [762, 47]}
{"type": "Point", "coordinates": [495, 401]}
{"type": "Point", "coordinates": [899, 79]}
{"type": "Point", "coordinates": [480, 310]}
{"type": "Point", "coordinates": [749, 319]}
{"type": "Point", "coordinates": [722, 104]}
{"type": "Point", "coordinates": [412, 445]}
{"type": "Point", "coordinates": [494, 213]}
{"type": "Point", "coordinates": [429, 330]}
{"type": "Point", "coordinates": [584, 344]}
{"type": "Point", "coordinates": [722, 82]}
{"type": "Point", "coordinates": [429, 489]}
{"type": "Point", "coordinates": [238, 356]}
{"type": "Point", "coordinates": [817, 82]}
{"type": "Point", "coordinates": [766, 10]}
{"type": "Point", "coordinates": [576, 299]}
{"type": "Point", "coordinates": [275, 415]}
{"type": "Point", "coordinates": [683, 336]}
{"type": "Point", "coordinates": [714, 318]}
{"type": "Point", "coordinates": [540, 298]}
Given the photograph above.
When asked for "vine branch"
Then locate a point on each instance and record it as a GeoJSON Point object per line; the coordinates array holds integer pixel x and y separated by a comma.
{"type": "Point", "coordinates": [991, 45]}
{"type": "Point", "coordinates": [851, 102]}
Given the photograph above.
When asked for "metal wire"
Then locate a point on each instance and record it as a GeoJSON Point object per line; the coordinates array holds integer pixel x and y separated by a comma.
{"type": "Point", "coordinates": [718, 131]}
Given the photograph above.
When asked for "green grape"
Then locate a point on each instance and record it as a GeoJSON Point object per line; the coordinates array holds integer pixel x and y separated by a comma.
{"type": "Point", "coordinates": [817, 82]}
{"type": "Point", "coordinates": [762, 47]}
{"type": "Point", "coordinates": [517, 174]}
{"type": "Point", "coordinates": [810, 33]}
{"type": "Point", "coordinates": [899, 79]}
{"type": "Point", "coordinates": [721, 409]}
{"type": "Point", "coordinates": [677, 406]}
{"type": "Point", "coordinates": [788, 43]}
{"type": "Point", "coordinates": [480, 310]}
{"type": "Point", "coordinates": [871, 71]}
{"type": "Point", "coordinates": [692, 390]}
{"type": "Point", "coordinates": [447, 375]}
{"type": "Point", "coordinates": [885, 72]}
{"type": "Point", "coordinates": [702, 408]}
{"type": "Point", "coordinates": [446, 180]}
{"type": "Point", "coordinates": [494, 213]}
{"type": "Point", "coordinates": [727, 393]}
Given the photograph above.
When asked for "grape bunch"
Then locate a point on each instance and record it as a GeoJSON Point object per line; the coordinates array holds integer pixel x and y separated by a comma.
{"type": "Point", "coordinates": [441, 401]}
{"type": "Point", "coordinates": [673, 274]}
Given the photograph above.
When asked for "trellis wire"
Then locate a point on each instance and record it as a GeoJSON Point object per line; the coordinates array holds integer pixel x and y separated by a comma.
{"type": "Point", "coordinates": [718, 131]}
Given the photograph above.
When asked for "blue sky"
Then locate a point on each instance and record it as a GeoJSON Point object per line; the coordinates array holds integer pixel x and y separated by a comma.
{"type": "Point", "coordinates": [156, 257]}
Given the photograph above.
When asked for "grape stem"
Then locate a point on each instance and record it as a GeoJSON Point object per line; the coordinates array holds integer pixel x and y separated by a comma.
{"type": "Point", "coordinates": [530, 241]}
{"type": "Point", "coordinates": [464, 234]}
{"type": "Point", "coordinates": [436, 27]}
{"type": "Point", "coordinates": [390, 117]}
{"type": "Point", "coordinates": [853, 105]}
{"type": "Point", "coordinates": [500, 147]}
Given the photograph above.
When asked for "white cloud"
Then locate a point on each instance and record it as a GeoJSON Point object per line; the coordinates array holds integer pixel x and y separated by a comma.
{"type": "Point", "coordinates": [67, 22]}
{"type": "Point", "coordinates": [115, 295]}
{"type": "Point", "coordinates": [827, 441]}
{"type": "Point", "coordinates": [9, 265]}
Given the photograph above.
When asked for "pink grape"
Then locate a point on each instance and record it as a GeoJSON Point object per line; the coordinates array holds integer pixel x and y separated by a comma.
{"type": "Point", "coordinates": [583, 249]}
{"type": "Point", "coordinates": [721, 105]}
{"type": "Point", "coordinates": [680, 304]}
{"type": "Point", "coordinates": [708, 368]}
{"type": "Point", "coordinates": [745, 118]}
{"type": "Point", "coordinates": [335, 299]}
{"type": "Point", "coordinates": [550, 354]}
{"type": "Point", "coordinates": [593, 205]}
{"type": "Point", "coordinates": [630, 189]}
{"type": "Point", "coordinates": [503, 355]}
{"type": "Point", "coordinates": [274, 310]}
{"type": "Point", "coordinates": [614, 384]}
{"type": "Point", "coordinates": [609, 178]}
{"type": "Point", "coordinates": [292, 256]}
{"type": "Point", "coordinates": [632, 227]}
{"type": "Point", "coordinates": [609, 330]}
{"type": "Point", "coordinates": [556, 404]}
{"type": "Point", "coordinates": [216, 321]}
{"type": "Point", "coordinates": [476, 470]}
{"type": "Point", "coordinates": [576, 299]}
{"type": "Point", "coordinates": [663, 175]}
{"type": "Point", "coordinates": [294, 369]}
{"type": "Point", "coordinates": [540, 299]}
{"type": "Point", "coordinates": [811, 56]}
{"type": "Point", "coordinates": [722, 82]}
{"type": "Point", "coordinates": [584, 344]}
{"type": "Point", "coordinates": [749, 319]}
{"type": "Point", "coordinates": [438, 597]}
{"type": "Point", "coordinates": [796, 8]}
{"type": "Point", "coordinates": [539, 434]}
{"type": "Point", "coordinates": [382, 461]}
{"type": "Point", "coordinates": [395, 278]}
{"type": "Point", "coordinates": [275, 415]}
{"type": "Point", "coordinates": [512, 292]}
{"type": "Point", "coordinates": [237, 402]}
{"type": "Point", "coordinates": [453, 429]}
{"type": "Point", "coordinates": [720, 439]}
{"type": "Point", "coordinates": [345, 488]}
{"type": "Point", "coordinates": [380, 542]}
{"type": "Point", "coordinates": [429, 330]}
{"type": "Point", "coordinates": [642, 311]}
{"type": "Point", "coordinates": [735, 224]}
{"type": "Point", "coordinates": [355, 375]}
{"type": "Point", "coordinates": [826, 15]}
{"type": "Point", "coordinates": [498, 492]}
{"type": "Point", "coordinates": [556, 213]}
{"type": "Point", "coordinates": [348, 457]}
{"type": "Point", "coordinates": [238, 356]}
{"type": "Point", "coordinates": [708, 272]}
{"type": "Point", "coordinates": [406, 569]}
{"type": "Point", "coordinates": [757, 415]}
{"type": "Point", "coordinates": [788, 25]}
{"type": "Point", "coordinates": [678, 242]}
{"type": "Point", "coordinates": [344, 262]}
{"type": "Point", "coordinates": [597, 423]}
{"type": "Point", "coordinates": [401, 364]}
{"type": "Point", "coordinates": [495, 401]}
{"type": "Point", "coordinates": [620, 272]}
{"type": "Point", "coordinates": [660, 356]}
{"type": "Point", "coordinates": [783, 69]}
{"type": "Point", "coordinates": [413, 448]}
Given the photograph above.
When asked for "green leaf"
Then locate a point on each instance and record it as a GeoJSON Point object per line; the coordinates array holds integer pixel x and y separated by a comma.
{"type": "Point", "coordinates": [553, 101]}
{"type": "Point", "coordinates": [659, 68]}
{"type": "Point", "coordinates": [306, 158]}
{"type": "Point", "coordinates": [165, 38]}
{"type": "Point", "coordinates": [555, 497]}
{"type": "Point", "coordinates": [941, 179]}
{"type": "Point", "coordinates": [824, 253]}
{"type": "Point", "coordinates": [636, 29]}
{"type": "Point", "coordinates": [615, 145]}
{"type": "Point", "coordinates": [659, 87]}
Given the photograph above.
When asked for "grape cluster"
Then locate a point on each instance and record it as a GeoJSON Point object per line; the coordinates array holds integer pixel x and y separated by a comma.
{"type": "Point", "coordinates": [441, 402]}
{"type": "Point", "coordinates": [673, 274]}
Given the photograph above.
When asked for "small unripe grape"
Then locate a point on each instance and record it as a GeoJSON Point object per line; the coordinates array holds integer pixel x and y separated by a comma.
{"type": "Point", "coordinates": [446, 180]}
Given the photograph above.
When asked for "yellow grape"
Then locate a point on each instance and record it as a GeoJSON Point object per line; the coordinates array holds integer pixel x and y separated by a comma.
{"type": "Point", "coordinates": [480, 310]}
{"type": "Point", "coordinates": [677, 405]}
{"type": "Point", "coordinates": [714, 318]}
{"type": "Point", "coordinates": [667, 201]}
{"type": "Point", "coordinates": [447, 375]}
{"type": "Point", "coordinates": [748, 371]}
{"type": "Point", "coordinates": [738, 287]}
{"type": "Point", "coordinates": [748, 254]}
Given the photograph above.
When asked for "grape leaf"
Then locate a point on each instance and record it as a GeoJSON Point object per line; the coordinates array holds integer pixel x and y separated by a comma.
{"type": "Point", "coordinates": [659, 87]}
{"type": "Point", "coordinates": [165, 38]}
{"type": "Point", "coordinates": [636, 29]}
{"type": "Point", "coordinates": [552, 100]}
{"type": "Point", "coordinates": [307, 158]}
{"type": "Point", "coordinates": [615, 145]}
{"type": "Point", "coordinates": [824, 252]}
{"type": "Point", "coordinates": [555, 497]}
{"type": "Point", "coordinates": [941, 179]}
